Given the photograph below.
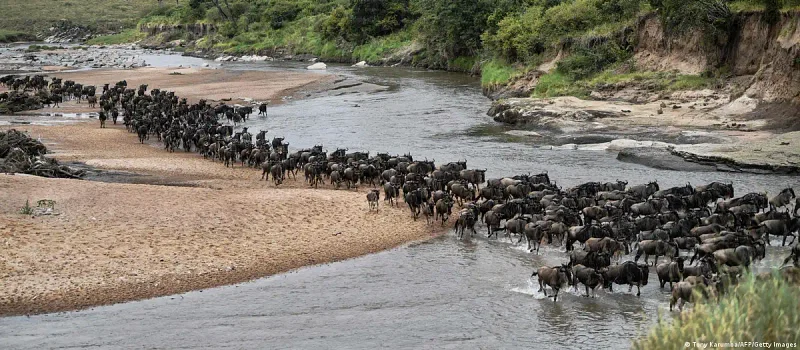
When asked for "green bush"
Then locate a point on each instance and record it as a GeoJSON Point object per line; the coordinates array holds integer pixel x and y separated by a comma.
{"type": "Point", "coordinates": [372, 18]}
{"type": "Point", "coordinates": [586, 61]}
{"type": "Point", "coordinates": [762, 311]}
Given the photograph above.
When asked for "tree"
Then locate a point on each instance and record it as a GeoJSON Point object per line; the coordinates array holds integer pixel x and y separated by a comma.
{"type": "Point", "coordinates": [372, 18]}
{"type": "Point", "coordinates": [453, 28]}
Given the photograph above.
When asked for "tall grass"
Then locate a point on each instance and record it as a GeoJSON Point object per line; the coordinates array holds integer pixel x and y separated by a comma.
{"type": "Point", "coordinates": [760, 311]}
{"type": "Point", "coordinates": [558, 84]}
{"type": "Point", "coordinates": [496, 72]}
{"type": "Point", "coordinates": [10, 36]}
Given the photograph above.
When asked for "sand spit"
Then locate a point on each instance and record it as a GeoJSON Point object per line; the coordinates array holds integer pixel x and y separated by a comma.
{"type": "Point", "coordinates": [114, 242]}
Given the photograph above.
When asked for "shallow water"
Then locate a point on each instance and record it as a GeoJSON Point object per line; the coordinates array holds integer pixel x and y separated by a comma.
{"type": "Point", "coordinates": [441, 293]}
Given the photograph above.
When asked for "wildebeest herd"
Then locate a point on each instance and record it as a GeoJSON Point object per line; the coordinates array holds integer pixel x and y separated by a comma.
{"type": "Point", "coordinates": [721, 234]}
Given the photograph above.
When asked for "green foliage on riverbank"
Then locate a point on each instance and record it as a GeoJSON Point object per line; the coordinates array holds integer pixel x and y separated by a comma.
{"type": "Point", "coordinates": [10, 36]}
{"type": "Point", "coordinates": [761, 311]}
{"type": "Point", "coordinates": [588, 37]}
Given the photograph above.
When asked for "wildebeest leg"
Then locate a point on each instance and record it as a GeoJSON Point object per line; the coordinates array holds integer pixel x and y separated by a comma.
{"type": "Point", "coordinates": [587, 290]}
{"type": "Point", "coordinates": [555, 297]}
{"type": "Point", "coordinates": [639, 289]}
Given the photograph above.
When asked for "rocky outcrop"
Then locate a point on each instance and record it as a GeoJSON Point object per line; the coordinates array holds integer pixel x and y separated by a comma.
{"type": "Point", "coordinates": [545, 113]}
{"type": "Point", "coordinates": [66, 32]}
{"type": "Point", "coordinates": [660, 158]}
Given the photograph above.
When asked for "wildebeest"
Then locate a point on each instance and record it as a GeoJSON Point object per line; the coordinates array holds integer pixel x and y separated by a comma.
{"type": "Point", "coordinates": [389, 193]}
{"type": "Point", "coordinates": [277, 174]}
{"type": "Point", "coordinates": [783, 228]}
{"type": "Point", "coordinates": [466, 220]}
{"type": "Point", "coordinates": [739, 256]}
{"type": "Point", "coordinates": [606, 245]}
{"type": "Point", "coordinates": [656, 248]}
{"type": "Point", "coordinates": [588, 276]}
{"type": "Point", "coordinates": [443, 208]}
{"type": "Point", "coordinates": [628, 273]}
{"type": "Point", "coordinates": [428, 211]}
{"type": "Point", "coordinates": [414, 201]}
{"type": "Point", "coordinates": [670, 272]}
{"type": "Point", "coordinates": [595, 260]}
{"type": "Point", "coordinates": [555, 277]}
{"type": "Point", "coordinates": [644, 191]}
{"type": "Point", "coordinates": [782, 199]}
{"type": "Point", "coordinates": [685, 292]}
{"type": "Point", "coordinates": [372, 198]}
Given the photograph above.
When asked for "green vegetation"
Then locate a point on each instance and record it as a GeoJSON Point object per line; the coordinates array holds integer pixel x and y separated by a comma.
{"type": "Point", "coordinates": [34, 16]}
{"type": "Point", "coordinates": [499, 38]}
{"type": "Point", "coordinates": [27, 209]}
{"type": "Point", "coordinates": [496, 72]}
{"type": "Point", "coordinates": [126, 36]}
{"type": "Point", "coordinates": [10, 36]}
{"type": "Point", "coordinates": [763, 311]}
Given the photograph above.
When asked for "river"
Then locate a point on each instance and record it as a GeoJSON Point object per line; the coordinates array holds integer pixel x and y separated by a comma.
{"type": "Point", "coordinates": [440, 293]}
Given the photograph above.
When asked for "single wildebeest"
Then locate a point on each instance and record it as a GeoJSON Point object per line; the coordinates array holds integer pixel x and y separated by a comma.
{"type": "Point", "coordinates": [739, 256]}
{"type": "Point", "coordinates": [628, 273]}
{"type": "Point", "coordinates": [466, 220]}
{"type": "Point", "coordinates": [595, 260]}
{"type": "Point", "coordinates": [606, 245]}
{"type": "Point", "coordinates": [686, 242]}
{"type": "Point", "coordinates": [706, 267]}
{"type": "Point", "coordinates": [782, 199]}
{"type": "Point", "coordinates": [277, 174]}
{"type": "Point", "coordinates": [372, 199]}
{"type": "Point", "coordinates": [644, 191]}
{"type": "Point", "coordinates": [533, 233]}
{"type": "Point", "coordinates": [657, 248]}
{"type": "Point", "coordinates": [684, 291]}
{"type": "Point", "coordinates": [594, 213]}
{"type": "Point", "coordinates": [670, 272]}
{"type": "Point", "coordinates": [587, 276]}
{"type": "Point", "coordinates": [428, 211]}
{"type": "Point", "coordinates": [444, 208]}
{"type": "Point", "coordinates": [555, 277]}
{"type": "Point", "coordinates": [414, 200]}
{"type": "Point", "coordinates": [783, 228]}
{"type": "Point", "coordinates": [389, 192]}
{"type": "Point", "coordinates": [492, 220]}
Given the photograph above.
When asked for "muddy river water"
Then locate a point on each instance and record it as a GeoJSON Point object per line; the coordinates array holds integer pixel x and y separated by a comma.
{"type": "Point", "coordinates": [440, 293]}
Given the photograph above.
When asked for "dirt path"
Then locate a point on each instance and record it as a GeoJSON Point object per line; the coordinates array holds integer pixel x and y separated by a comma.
{"type": "Point", "coordinates": [117, 242]}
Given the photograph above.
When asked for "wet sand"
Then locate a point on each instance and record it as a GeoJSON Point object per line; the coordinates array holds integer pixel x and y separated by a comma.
{"type": "Point", "coordinates": [114, 242]}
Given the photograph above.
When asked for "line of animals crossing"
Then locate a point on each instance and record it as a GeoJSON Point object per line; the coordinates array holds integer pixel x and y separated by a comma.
{"type": "Point", "coordinates": [722, 233]}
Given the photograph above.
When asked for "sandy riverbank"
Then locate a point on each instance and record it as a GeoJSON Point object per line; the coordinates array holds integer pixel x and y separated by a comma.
{"type": "Point", "coordinates": [116, 242]}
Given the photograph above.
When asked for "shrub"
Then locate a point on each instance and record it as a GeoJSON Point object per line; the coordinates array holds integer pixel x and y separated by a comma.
{"type": "Point", "coordinates": [764, 311]}
{"type": "Point", "coordinates": [586, 61]}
